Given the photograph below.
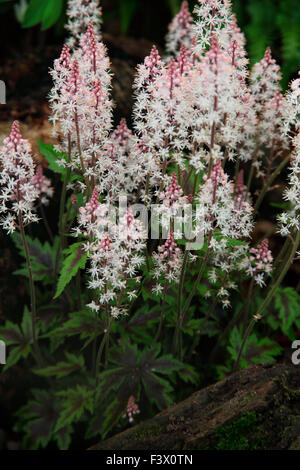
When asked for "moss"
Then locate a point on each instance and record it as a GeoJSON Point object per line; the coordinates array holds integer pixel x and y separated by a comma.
{"type": "Point", "coordinates": [234, 436]}
{"type": "Point", "coordinates": [249, 431]}
{"type": "Point", "coordinates": [146, 432]}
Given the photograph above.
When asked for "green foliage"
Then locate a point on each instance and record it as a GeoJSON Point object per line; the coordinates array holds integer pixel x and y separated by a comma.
{"type": "Point", "coordinates": [46, 12]}
{"type": "Point", "coordinates": [76, 259]}
{"type": "Point", "coordinates": [174, 6]}
{"type": "Point", "coordinates": [140, 327]}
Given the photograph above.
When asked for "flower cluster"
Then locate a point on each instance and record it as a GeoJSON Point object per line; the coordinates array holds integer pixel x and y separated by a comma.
{"type": "Point", "coordinates": [80, 14]}
{"type": "Point", "coordinates": [18, 188]}
{"type": "Point", "coordinates": [172, 198]}
{"type": "Point", "coordinates": [218, 208]}
{"type": "Point", "coordinates": [180, 31]}
{"type": "Point", "coordinates": [261, 260]}
{"type": "Point", "coordinates": [226, 260]}
{"type": "Point", "coordinates": [221, 113]}
{"type": "Point", "coordinates": [167, 263]}
{"type": "Point", "coordinates": [162, 113]}
{"type": "Point", "coordinates": [195, 112]}
{"type": "Point", "coordinates": [292, 111]}
{"type": "Point", "coordinates": [132, 409]}
{"type": "Point", "coordinates": [80, 101]}
{"type": "Point", "coordinates": [117, 170]}
{"type": "Point", "coordinates": [289, 221]}
{"type": "Point", "coordinates": [265, 80]}
{"type": "Point", "coordinates": [214, 16]}
{"type": "Point", "coordinates": [42, 185]}
{"type": "Point", "coordinates": [115, 252]}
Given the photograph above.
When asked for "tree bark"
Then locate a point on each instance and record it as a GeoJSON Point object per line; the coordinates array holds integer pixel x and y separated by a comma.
{"type": "Point", "coordinates": [253, 409]}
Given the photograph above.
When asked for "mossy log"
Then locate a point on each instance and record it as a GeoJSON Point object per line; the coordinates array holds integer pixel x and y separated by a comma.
{"type": "Point", "coordinates": [253, 409]}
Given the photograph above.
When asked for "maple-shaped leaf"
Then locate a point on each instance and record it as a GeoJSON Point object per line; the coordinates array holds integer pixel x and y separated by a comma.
{"type": "Point", "coordinates": [20, 337]}
{"type": "Point", "coordinates": [135, 371]}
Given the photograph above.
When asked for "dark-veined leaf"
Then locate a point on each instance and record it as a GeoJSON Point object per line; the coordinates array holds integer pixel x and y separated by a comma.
{"type": "Point", "coordinates": [73, 403]}
{"type": "Point", "coordinates": [63, 368]}
{"type": "Point", "coordinates": [83, 323]}
{"type": "Point", "coordinates": [37, 419]}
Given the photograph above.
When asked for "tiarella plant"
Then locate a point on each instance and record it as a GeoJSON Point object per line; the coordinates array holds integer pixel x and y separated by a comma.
{"type": "Point", "coordinates": [152, 278]}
